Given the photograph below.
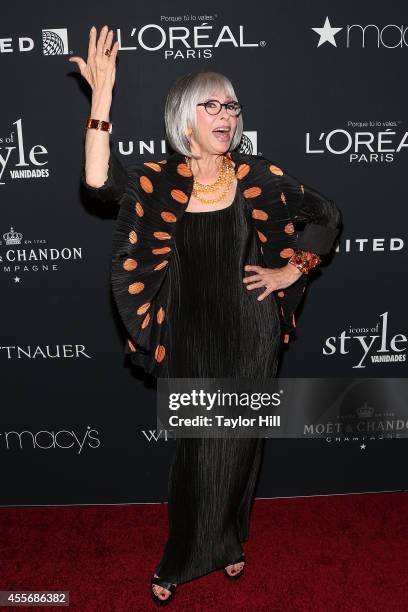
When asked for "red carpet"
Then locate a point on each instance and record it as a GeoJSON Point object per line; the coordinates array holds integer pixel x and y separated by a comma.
{"type": "Point", "coordinates": [337, 553]}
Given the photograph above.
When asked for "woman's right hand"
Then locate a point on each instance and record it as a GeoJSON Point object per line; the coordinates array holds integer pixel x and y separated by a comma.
{"type": "Point", "coordinates": [99, 70]}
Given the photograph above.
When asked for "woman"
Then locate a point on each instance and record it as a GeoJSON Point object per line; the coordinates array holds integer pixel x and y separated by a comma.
{"type": "Point", "coordinates": [188, 229]}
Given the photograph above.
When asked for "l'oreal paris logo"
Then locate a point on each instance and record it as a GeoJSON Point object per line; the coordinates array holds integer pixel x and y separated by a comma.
{"type": "Point", "coordinates": [367, 146]}
{"type": "Point", "coordinates": [184, 41]}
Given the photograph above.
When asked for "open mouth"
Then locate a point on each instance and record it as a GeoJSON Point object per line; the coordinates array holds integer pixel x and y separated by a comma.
{"type": "Point", "coordinates": [222, 134]}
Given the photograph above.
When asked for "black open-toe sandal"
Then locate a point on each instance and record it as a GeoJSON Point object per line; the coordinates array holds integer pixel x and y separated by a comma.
{"type": "Point", "coordinates": [165, 585]}
{"type": "Point", "coordinates": [239, 573]}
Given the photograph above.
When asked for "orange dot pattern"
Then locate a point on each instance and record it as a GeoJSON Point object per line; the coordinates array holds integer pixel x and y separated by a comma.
{"type": "Point", "coordinates": [151, 219]}
{"type": "Point", "coordinates": [159, 190]}
{"type": "Point", "coordinates": [136, 288]}
{"type": "Point", "coordinates": [261, 236]}
{"type": "Point", "coordinates": [145, 321]}
{"type": "Point", "coordinates": [179, 196]}
{"type": "Point", "coordinates": [169, 217]}
{"type": "Point", "coordinates": [129, 264]}
{"type": "Point", "coordinates": [285, 253]}
{"type": "Point", "coordinates": [160, 353]}
{"type": "Point", "coordinates": [143, 308]}
{"type": "Point", "coordinates": [162, 235]}
{"type": "Point", "coordinates": [275, 230]}
{"type": "Point", "coordinates": [131, 346]}
{"type": "Point", "coordinates": [146, 184]}
{"type": "Point", "coordinates": [276, 170]}
{"type": "Point", "coordinates": [252, 192]}
{"type": "Point", "coordinates": [161, 251]}
{"type": "Point", "coordinates": [161, 265]}
{"type": "Point", "coordinates": [184, 170]}
{"type": "Point", "coordinates": [153, 166]}
{"type": "Point", "coordinates": [242, 171]}
{"type": "Point", "coordinates": [160, 315]}
{"type": "Point", "coordinates": [262, 215]}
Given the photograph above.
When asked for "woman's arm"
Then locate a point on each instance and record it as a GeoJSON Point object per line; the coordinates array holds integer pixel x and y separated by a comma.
{"type": "Point", "coordinates": [102, 174]}
{"type": "Point", "coordinates": [321, 219]}
{"type": "Point", "coordinates": [112, 189]}
{"type": "Point", "coordinates": [308, 206]}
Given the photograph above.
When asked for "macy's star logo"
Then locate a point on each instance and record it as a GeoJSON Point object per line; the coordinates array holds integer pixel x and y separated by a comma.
{"type": "Point", "coordinates": [327, 33]}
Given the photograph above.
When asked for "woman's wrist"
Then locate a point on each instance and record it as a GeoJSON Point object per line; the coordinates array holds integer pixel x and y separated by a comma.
{"type": "Point", "coordinates": [99, 113]}
{"type": "Point", "coordinates": [100, 107]}
{"type": "Point", "coordinates": [294, 272]}
{"type": "Point", "coordinates": [304, 261]}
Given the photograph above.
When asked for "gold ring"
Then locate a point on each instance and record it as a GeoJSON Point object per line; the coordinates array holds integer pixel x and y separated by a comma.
{"type": "Point", "coordinates": [108, 52]}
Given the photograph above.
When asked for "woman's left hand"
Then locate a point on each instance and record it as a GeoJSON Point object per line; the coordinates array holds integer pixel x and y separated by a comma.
{"type": "Point", "coordinates": [271, 278]}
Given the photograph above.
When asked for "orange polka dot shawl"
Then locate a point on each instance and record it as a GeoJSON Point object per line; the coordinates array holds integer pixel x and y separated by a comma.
{"type": "Point", "coordinates": [153, 196]}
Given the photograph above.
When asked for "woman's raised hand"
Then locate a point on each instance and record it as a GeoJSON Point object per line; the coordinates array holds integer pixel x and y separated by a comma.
{"type": "Point", "coordinates": [99, 70]}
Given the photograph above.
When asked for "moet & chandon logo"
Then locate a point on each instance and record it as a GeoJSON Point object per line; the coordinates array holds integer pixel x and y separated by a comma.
{"type": "Point", "coordinates": [34, 255]}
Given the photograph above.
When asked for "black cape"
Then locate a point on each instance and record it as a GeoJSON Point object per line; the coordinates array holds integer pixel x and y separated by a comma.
{"type": "Point", "coordinates": [152, 196]}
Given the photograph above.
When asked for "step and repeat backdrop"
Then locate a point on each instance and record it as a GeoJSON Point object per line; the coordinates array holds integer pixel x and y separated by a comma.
{"type": "Point", "coordinates": [325, 97]}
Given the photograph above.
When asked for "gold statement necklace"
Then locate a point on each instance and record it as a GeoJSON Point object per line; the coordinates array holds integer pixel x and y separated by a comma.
{"type": "Point", "coordinates": [224, 182]}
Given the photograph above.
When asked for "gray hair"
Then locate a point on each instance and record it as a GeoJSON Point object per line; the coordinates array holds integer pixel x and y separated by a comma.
{"type": "Point", "coordinates": [180, 109]}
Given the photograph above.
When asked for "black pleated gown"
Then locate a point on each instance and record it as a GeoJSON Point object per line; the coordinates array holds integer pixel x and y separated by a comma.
{"type": "Point", "coordinates": [217, 328]}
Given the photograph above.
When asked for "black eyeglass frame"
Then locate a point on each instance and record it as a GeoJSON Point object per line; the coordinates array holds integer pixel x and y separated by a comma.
{"type": "Point", "coordinates": [221, 105]}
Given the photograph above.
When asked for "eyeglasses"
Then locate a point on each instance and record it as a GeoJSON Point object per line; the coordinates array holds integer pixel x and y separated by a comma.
{"type": "Point", "coordinates": [213, 107]}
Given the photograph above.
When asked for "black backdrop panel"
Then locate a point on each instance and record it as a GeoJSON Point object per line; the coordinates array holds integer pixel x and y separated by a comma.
{"type": "Point", "coordinates": [325, 98]}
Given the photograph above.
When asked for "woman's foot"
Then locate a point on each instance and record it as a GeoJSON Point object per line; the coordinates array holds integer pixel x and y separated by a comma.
{"type": "Point", "coordinates": [160, 593]}
{"type": "Point", "coordinates": [235, 569]}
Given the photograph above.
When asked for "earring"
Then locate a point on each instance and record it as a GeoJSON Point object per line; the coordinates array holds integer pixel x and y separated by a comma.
{"type": "Point", "coordinates": [189, 131]}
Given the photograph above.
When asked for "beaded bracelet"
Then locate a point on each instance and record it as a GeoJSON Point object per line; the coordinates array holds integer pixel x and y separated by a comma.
{"type": "Point", "coordinates": [304, 260]}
